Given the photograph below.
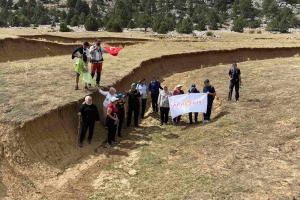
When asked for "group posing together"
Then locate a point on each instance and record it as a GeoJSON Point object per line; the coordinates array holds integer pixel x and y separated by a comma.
{"type": "Point", "coordinates": [118, 107]}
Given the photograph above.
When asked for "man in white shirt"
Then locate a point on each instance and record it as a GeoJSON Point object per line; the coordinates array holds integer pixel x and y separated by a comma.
{"type": "Point", "coordinates": [84, 53]}
{"type": "Point", "coordinates": [96, 59]}
{"type": "Point", "coordinates": [143, 89]}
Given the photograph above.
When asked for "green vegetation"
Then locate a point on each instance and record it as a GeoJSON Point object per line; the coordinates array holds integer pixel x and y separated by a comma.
{"type": "Point", "coordinates": [161, 15]}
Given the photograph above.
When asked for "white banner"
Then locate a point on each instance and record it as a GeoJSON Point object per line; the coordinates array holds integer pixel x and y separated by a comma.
{"type": "Point", "coordinates": [185, 103]}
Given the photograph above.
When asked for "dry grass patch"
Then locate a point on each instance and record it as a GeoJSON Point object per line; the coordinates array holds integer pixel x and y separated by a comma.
{"type": "Point", "coordinates": [249, 151]}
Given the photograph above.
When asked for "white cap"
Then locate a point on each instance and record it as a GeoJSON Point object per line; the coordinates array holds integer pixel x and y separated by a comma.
{"type": "Point", "coordinates": [114, 99]}
{"type": "Point", "coordinates": [178, 86]}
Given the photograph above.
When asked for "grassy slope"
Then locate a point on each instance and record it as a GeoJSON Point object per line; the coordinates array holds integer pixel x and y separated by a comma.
{"type": "Point", "coordinates": [27, 85]}
{"type": "Point", "coordinates": [250, 151]}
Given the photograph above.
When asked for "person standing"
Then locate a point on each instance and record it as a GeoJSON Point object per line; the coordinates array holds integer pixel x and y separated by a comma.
{"type": "Point", "coordinates": [96, 52]}
{"type": "Point", "coordinates": [142, 88]}
{"type": "Point", "coordinates": [89, 115]}
{"type": "Point", "coordinates": [177, 91]}
{"type": "Point", "coordinates": [112, 120]}
{"type": "Point", "coordinates": [81, 52]}
{"type": "Point", "coordinates": [108, 96]}
{"type": "Point", "coordinates": [193, 89]}
{"type": "Point", "coordinates": [134, 103]}
{"type": "Point", "coordinates": [154, 87]}
{"type": "Point", "coordinates": [163, 104]}
{"type": "Point", "coordinates": [121, 112]}
{"type": "Point", "coordinates": [211, 93]}
{"type": "Point", "coordinates": [234, 75]}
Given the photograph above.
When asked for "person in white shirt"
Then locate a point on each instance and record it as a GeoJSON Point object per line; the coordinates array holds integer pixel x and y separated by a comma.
{"type": "Point", "coordinates": [108, 95]}
{"type": "Point", "coordinates": [84, 53]}
{"type": "Point", "coordinates": [97, 60]}
{"type": "Point", "coordinates": [143, 89]}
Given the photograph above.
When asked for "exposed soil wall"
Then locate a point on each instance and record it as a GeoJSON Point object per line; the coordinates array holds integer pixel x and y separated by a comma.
{"type": "Point", "coordinates": [61, 39]}
{"type": "Point", "coordinates": [51, 138]}
{"type": "Point", "coordinates": [20, 48]}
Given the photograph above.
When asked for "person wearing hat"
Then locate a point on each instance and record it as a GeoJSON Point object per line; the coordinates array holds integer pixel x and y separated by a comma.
{"type": "Point", "coordinates": [211, 93]}
{"type": "Point", "coordinates": [121, 112]}
{"type": "Point", "coordinates": [134, 104]}
{"type": "Point", "coordinates": [164, 106]}
{"type": "Point", "coordinates": [154, 87]}
{"type": "Point", "coordinates": [142, 88]}
{"type": "Point", "coordinates": [235, 78]}
{"type": "Point", "coordinates": [177, 91]}
{"type": "Point", "coordinates": [112, 120]}
{"type": "Point", "coordinates": [193, 89]}
{"type": "Point", "coordinates": [89, 115]}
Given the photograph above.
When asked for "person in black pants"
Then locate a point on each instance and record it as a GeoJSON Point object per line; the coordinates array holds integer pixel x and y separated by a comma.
{"type": "Point", "coordinates": [142, 88]}
{"type": "Point", "coordinates": [112, 120]}
{"type": "Point", "coordinates": [235, 81]}
{"type": "Point", "coordinates": [134, 104]}
{"type": "Point", "coordinates": [154, 87]}
{"type": "Point", "coordinates": [89, 115]}
{"type": "Point", "coordinates": [164, 106]}
{"type": "Point", "coordinates": [121, 112]}
{"type": "Point", "coordinates": [193, 89]}
{"type": "Point", "coordinates": [211, 93]}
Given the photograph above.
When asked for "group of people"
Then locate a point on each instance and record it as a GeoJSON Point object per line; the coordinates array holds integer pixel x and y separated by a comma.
{"type": "Point", "coordinates": [118, 107]}
{"type": "Point", "coordinates": [90, 54]}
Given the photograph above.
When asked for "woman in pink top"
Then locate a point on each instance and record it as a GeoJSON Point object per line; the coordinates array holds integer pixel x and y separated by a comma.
{"type": "Point", "coordinates": [177, 91]}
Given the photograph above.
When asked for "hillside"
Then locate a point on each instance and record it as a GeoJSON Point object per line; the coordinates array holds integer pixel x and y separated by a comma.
{"type": "Point", "coordinates": [162, 16]}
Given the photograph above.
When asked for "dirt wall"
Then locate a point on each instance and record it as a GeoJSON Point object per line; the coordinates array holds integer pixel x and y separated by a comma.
{"type": "Point", "coordinates": [51, 138]}
{"type": "Point", "coordinates": [12, 49]}
{"type": "Point", "coordinates": [61, 39]}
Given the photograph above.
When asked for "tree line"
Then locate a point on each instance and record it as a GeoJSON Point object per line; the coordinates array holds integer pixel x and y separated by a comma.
{"type": "Point", "coordinates": [162, 16]}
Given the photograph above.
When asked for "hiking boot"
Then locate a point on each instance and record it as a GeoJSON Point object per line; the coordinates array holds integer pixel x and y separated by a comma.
{"type": "Point", "coordinates": [86, 88]}
{"type": "Point", "coordinates": [191, 122]}
{"type": "Point", "coordinates": [97, 85]}
{"type": "Point", "coordinates": [80, 144]}
{"type": "Point", "coordinates": [90, 141]}
{"type": "Point", "coordinates": [76, 87]}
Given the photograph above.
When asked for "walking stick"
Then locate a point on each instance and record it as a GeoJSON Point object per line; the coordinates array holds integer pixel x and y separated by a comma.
{"type": "Point", "coordinates": [78, 131]}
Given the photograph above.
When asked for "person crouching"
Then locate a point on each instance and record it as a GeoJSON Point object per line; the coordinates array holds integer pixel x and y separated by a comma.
{"type": "Point", "coordinates": [112, 120]}
{"type": "Point", "coordinates": [89, 115]}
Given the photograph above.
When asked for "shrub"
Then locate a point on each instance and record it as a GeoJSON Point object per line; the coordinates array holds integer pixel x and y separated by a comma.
{"type": "Point", "coordinates": [259, 32]}
{"type": "Point", "coordinates": [209, 33]}
{"type": "Point", "coordinates": [238, 25]}
{"type": "Point", "coordinates": [251, 31]}
{"type": "Point", "coordinates": [91, 24]}
{"type": "Point", "coordinates": [63, 27]}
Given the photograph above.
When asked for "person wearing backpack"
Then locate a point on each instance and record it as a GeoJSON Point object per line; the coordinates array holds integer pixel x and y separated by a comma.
{"type": "Point", "coordinates": [96, 52]}
{"type": "Point", "coordinates": [154, 87]}
{"type": "Point", "coordinates": [211, 93]}
{"type": "Point", "coordinates": [193, 89]}
{"type": "Point", "coordinates": [234, 75]}
{"type": "Point", "coordinates": [81, 52]}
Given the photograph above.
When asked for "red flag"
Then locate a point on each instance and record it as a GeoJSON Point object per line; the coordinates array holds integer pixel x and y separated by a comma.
{"type": "Point", "coordinates": [113, 50]}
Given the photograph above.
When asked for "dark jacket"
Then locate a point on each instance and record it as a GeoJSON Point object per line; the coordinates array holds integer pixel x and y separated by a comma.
{"type": "Point", "coordinates": [193, 90]}
{"type": "Point", "coordinates": [81, 51]}
{"type": "Point", "coordinates": [89, 113]}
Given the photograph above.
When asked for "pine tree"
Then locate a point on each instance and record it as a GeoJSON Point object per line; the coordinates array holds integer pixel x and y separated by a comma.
{"type": "Point", "coordinates": [9, 4]}
{"type": "Point", "coordinates": [239, 25]}
{"type": "Point", "coordinates": [82, 18]}
{"type": "Point", "coordinates": [201, 25]}
{"type": "Point", "coordinates": [91, 24]}
{"type": "Point", "coordinates": [2, 3]}
{"type": "Point", "coordinates": [63, 15]}
{"type": "Point", "coordinates": [94, 8]}
{"type": "Point", "coordinates": [71, 3]}
{"type": "Point", "coordinates": [213, 20]}
{"type": "Point", "coordinates": [14, 21]}
{"type": "Point", "coordinates": [75, 21]}
{"type": "Point", "coordinates": [21, 3]}
{"type": "Point", "coordinates": [131, 24]}
{"type": "Point", "coordinates": [163, 29]}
